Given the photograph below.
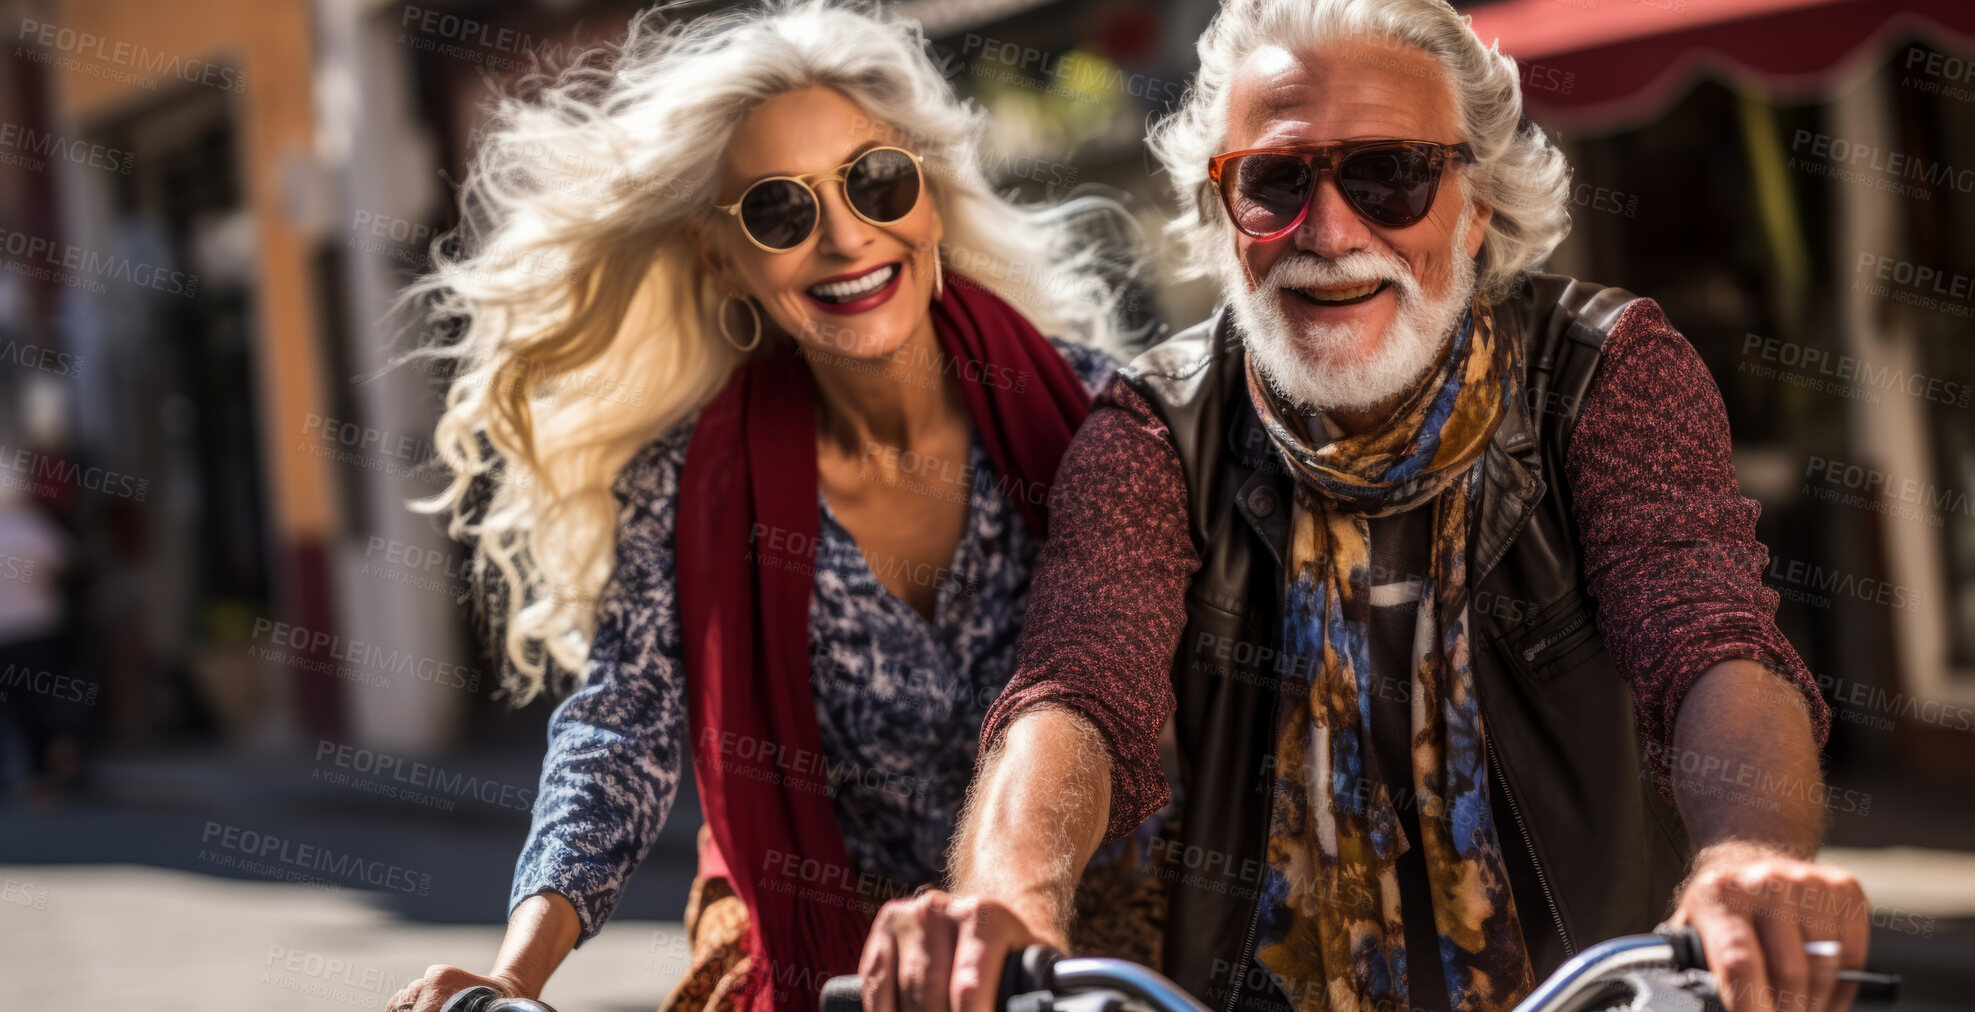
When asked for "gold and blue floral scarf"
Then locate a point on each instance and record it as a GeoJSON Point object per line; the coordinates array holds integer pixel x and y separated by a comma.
{"type": "Point", "coordinates": [1330, 929]}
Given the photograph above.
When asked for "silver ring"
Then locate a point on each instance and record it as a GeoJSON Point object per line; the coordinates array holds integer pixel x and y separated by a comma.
{"type": "Point", "coordinates": [1828, 948]}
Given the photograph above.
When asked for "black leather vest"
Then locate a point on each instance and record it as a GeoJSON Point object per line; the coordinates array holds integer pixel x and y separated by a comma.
{"type": "Point", "coordinates": [1604, 850]}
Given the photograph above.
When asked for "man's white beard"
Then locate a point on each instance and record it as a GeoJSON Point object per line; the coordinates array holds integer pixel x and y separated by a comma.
{"type": "Point", "coordinates": [1300, 364]}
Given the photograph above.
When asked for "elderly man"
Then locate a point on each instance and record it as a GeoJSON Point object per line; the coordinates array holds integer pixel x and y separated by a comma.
{"type": "Point", "coordinates": [1435, 570]}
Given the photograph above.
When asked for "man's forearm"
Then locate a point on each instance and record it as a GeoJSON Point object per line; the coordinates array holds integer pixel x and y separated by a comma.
{"type": "Point", "coordinates": [1037, 812]}
{"type": "Point", "coordinates": [1744, 762]}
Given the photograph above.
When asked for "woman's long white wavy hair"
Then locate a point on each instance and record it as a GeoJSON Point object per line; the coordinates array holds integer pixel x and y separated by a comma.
{"type": "Point", "coordinates": [579, 320]}
{"type": "Point", "coordinates": [1517, 171]}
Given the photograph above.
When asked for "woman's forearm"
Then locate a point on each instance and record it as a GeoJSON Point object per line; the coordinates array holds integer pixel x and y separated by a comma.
{"type": "Point", "coordinates": [1037, 814]}
{"type": "Point", "coordinates": [541, 933]}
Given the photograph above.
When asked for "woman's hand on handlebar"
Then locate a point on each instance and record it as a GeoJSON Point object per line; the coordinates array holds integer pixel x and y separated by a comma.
{"type": "Point", "coordinates": [937, 952]}
{"type": "Point", "coordinates": [440, 982]}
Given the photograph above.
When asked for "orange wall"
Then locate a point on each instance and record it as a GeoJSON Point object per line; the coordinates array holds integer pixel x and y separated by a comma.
{"type": "Point", "coordinates": [269, 43]}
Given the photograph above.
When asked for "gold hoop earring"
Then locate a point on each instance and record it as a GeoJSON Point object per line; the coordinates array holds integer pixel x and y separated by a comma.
{"type": "Point", "coordinates": [725, 333]}
{"type": "Point", "coordinates": [939, 278]}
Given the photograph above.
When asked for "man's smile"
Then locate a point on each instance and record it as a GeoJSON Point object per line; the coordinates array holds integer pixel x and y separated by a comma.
{"type": "Point", "coordinates": [1348, 296]}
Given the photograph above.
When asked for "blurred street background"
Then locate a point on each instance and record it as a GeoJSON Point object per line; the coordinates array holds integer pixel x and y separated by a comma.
{"type": "Point", "coordinates": [223, 637]}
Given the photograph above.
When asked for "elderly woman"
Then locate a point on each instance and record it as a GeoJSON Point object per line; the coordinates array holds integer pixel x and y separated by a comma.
{"type": "Point", "coordinates": [750, 474]}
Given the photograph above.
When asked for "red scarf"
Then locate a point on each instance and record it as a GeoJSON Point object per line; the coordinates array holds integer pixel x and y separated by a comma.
{"type": "Point", "coordinates": [746, 547]}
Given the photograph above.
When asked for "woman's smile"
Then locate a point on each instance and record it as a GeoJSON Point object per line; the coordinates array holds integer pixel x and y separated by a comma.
{"type": "Point", "coordinates": [857, 291]}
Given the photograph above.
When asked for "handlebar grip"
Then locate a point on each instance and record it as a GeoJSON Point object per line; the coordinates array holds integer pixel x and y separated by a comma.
{"type": "Point", "coordinates": [1021, 973]}
{"type": "Point", "coordinates": [1686, 942]}
{"type": "Point", "coordinates": [1026, 973]}
{"type": "Point", "coordinates": [481, 998]}
{"type": "Point", "coordinates": [1873, 988]}
{"type": "Point", "coordinates": [842, 994]}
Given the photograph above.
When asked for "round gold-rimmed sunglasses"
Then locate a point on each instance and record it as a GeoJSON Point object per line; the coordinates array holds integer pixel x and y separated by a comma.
{"type": "Point", "coordinates": [779, 213]}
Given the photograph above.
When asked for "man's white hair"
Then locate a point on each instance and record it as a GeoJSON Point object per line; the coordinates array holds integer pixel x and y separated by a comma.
{"type": "Point", "coordinates": [1517, 171]}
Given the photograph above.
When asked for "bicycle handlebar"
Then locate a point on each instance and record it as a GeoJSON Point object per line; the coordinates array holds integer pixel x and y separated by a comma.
{"type": "Point", "coordinates": [1609, 975]}
{"type": "Point", "coordinates": [1040, 979]}
{"type": "Point", "coordinates": [481, 998]}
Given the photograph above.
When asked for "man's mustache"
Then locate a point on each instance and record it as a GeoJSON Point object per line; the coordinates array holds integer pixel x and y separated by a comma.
{"type": "Point", "coordinates": [1306, 270]}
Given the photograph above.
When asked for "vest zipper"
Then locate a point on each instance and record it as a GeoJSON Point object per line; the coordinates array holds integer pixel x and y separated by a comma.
{"type": "Point", "coordinates": [1529, 844]}
{"type": "Point", "coordinates": [1254, 924]}
{"type": "Point", "coordinates": [1268, 819]}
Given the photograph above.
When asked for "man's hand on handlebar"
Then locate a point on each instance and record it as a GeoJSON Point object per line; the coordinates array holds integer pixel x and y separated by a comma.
{"type": "Point", "coordinates": [1757, 909]}
{"type": "Point", "coordinates": [430, 992]}
{"type": "Point", "coordinates": [937, 952]}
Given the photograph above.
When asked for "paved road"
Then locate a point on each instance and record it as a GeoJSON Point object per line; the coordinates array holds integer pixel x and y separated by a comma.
{"type": "Point", "coordinates": [124, 937]}
{"type": "Point", "coordinates": [132, 897]}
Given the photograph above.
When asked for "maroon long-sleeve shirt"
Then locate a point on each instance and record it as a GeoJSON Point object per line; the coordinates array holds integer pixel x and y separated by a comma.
{"type": "Point", "coordinates": [1669, 553]}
